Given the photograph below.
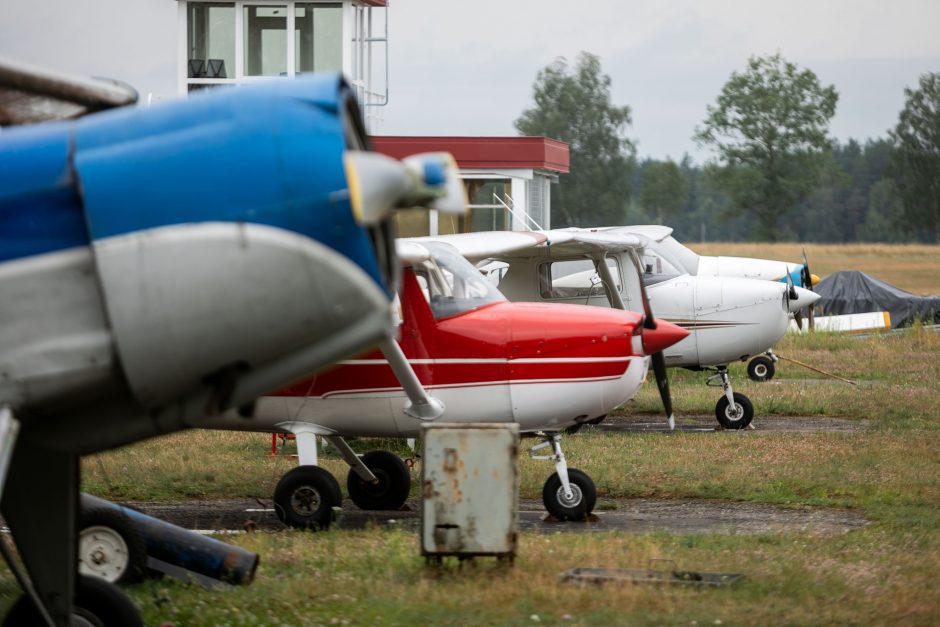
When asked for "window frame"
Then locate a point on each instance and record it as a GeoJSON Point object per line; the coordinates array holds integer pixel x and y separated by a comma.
{"type": "Point", "coordinates": [616, 268]}
{"type": "Point", "coordinates": [239, 77]}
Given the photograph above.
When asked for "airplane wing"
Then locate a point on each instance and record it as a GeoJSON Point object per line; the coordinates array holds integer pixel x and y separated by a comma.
{"type": "Point", "coordinates": [29, 95]}
{"type": "Point", "coordinates": [654, 232]}
{"type": "Point", "coordinates": [508, 244]}
{"type": "Point", "coordinates": [574, 242]}
{"type": "Point", "coordinates": [411, 252]}
{"type": "Point", "coordinates": [482, 245]}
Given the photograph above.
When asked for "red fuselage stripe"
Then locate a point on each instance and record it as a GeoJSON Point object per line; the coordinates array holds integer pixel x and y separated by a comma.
{"type": "Point", "coordinates": [380, 376]}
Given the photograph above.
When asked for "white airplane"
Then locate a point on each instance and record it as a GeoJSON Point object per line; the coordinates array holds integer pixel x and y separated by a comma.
{"type": "Point", "coordinates": [729, 319]}
{"type": "Point", "coordinates": [661, 248]}
{"type": "Point", "coordinates": [161, 265]}
{"type": "Point", "coordinates": [544, 367]}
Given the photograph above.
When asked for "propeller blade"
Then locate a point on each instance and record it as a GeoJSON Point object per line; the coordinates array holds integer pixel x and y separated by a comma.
{"type": "Point", "coordinates": [649, 322]}
{"type": "Point", "coordinates": [658, 359]}
{"type": "Point", "coordinates": [441, 176]}
{"type": "Point", "coordinates": [662, 382]}
{"type": "Point", "coordinates": [808, 278]}
{"type": "Point", "coordinates": [378, 184]}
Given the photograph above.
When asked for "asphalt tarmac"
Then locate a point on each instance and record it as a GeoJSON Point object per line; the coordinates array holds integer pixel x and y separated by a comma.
{"type": "Point", "coordinates": [626, 515]}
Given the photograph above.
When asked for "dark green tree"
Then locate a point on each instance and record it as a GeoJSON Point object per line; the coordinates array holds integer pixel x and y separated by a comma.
{"type": "Point", "coordinates": [916, 157]}
{"type": "Point", "coordinates": [573, 105]}
{"type": "Point", "coordinates": [769, 128]}
{"type": "Point", "coordinates": [664, 191]}
{"type": "Point", "coordinates": [884, 207]}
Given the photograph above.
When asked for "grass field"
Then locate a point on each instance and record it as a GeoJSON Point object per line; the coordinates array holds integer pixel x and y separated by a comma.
{"type": "Point", "coordinates": [914, 267]}
{"type": "Point", "coordinates": [883, 573]}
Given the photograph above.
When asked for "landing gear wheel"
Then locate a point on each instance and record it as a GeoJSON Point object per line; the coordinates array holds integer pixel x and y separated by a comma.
{"type": "Point", "coordinates": [738, 416]}
{"type": "Point", "coordinates": [582, 501]}
{"type": "Point", "coordinates": [304, 498]}
{"type": "Point", "coordinates": [392, 489]}
{"type": "Point", "coordinates": [761, 368]}
{"type": "Point", "coordinates": [110, 547]}
{"type": "Point", "coordinates": [98, 603]}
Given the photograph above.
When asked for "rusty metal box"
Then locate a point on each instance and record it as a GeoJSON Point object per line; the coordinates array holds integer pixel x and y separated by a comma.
{"type": "Point", "coordinates": [470, 487]}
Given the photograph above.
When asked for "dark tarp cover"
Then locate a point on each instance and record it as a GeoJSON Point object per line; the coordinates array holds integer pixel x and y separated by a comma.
{"type": "Point", "coordinates": [855, 292]}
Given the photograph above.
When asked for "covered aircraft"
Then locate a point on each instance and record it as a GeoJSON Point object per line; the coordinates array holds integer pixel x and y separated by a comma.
{"type": "Point", "coordinates": [159, 266]}
{"type": "Point", "coordinates": [854, 292]}
{"type": "Point", "coordinates": [464, 354]}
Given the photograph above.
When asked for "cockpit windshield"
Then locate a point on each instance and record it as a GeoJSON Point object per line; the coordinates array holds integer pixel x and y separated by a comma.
{"type": "Point", "coordinates": [681, 256]}
{"type": "Point", "coordinates": [451, 284]}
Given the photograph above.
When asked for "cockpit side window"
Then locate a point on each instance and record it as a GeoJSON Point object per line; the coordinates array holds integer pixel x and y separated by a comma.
{"type": "Point", "coordinates": [574, 278]}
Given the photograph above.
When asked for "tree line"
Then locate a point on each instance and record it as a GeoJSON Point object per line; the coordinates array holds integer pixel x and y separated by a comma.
{"type": "Point", "coordinates": [775, 173]}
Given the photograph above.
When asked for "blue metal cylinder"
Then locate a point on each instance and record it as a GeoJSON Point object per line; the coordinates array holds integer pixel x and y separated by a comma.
{"type": "Point", "coordinates": [187, 549]}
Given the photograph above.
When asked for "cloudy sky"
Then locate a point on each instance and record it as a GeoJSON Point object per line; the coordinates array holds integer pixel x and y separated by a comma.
{"type": "Point", "coordinates": [467, 68]}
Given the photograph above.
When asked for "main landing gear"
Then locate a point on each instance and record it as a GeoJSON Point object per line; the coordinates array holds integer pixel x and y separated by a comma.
{"type": "Point", "coordinates": [569, 494]}
{"type": "Point", "coordinates": [734, 410]}
{"type": "Point", "coordinates": [306, 496]}
{"type": "Point", "coordinates": [762, 367]}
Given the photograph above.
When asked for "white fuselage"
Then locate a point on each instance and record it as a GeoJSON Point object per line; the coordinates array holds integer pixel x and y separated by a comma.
{"type": "Point", "coordinates": [550, 404]}
{"type": "Point", "coordinates": [730, 319]}
{"type": "Point", "coordinates": [745, 268]}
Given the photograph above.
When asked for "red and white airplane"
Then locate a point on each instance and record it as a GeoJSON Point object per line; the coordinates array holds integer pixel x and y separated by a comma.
{"type": "Point", "coordinates": [464, 354]}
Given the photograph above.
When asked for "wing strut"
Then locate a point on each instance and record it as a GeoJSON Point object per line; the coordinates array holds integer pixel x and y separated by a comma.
{"type": "Point", "coordinates": [421, 405]}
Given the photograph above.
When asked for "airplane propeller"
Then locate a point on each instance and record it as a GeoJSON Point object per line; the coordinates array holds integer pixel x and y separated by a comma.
{"type": "Point", "coordinates": [789, 293]}
{"type": "Point", "coordinates": [379, 184]}
{"type": "Point", "coordinates": [658, 359]}
{"type": "Point", "coordinates": [809, 280]}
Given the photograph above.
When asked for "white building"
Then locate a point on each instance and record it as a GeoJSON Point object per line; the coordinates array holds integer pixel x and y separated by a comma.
{"type": "Point", "coordinates": [232, 43]}
{"type": "Point", "coordinates": [508, 179]}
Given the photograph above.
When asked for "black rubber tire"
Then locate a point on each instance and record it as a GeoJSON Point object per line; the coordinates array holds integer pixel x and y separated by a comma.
{"type": "Point", "coordinates": [305, 497]}
{"type": "Point", "coordinates": [585, 496]}
{"type": "Point", "coordinates": [393, 487]}
{"type": "Point", "coordinates": [122, 525]}
{"type": "Point", "coordinates": [97, 601]}
{"type": "Point", "coordinates": [729, 422]}
{"type": "Point", "coordinates": [761, 368]}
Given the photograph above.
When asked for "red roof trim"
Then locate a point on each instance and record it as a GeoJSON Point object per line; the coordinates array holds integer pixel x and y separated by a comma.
{"type": "Point", "coordinates": [540, 153]}
{"type": "Point", "coordinates": [374, 3]}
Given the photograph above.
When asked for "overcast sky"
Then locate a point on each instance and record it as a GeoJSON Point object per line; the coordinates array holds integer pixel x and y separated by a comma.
{"type": "Point", "coordinates": [467, 68]}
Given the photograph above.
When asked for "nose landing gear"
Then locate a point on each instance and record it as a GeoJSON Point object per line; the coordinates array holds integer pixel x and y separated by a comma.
{"type": "Point", "coordinates": [569, 494]}
{"type": "Point", "coordinates": [734, 410]}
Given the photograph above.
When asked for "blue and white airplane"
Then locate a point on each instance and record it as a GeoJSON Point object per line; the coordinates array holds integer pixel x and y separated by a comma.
{"type": "Point", "coordinates": [160, 266]}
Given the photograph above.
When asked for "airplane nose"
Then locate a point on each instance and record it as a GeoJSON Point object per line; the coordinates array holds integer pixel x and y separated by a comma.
{"type": "Point", "coordinates": [804, 298]}
{"type": "Point", "coordinates": [662, 337]}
